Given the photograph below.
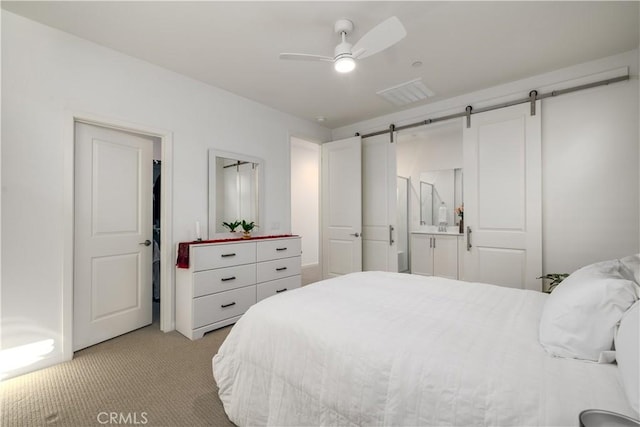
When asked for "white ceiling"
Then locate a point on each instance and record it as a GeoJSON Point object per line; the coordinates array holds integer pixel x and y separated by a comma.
{"type": "Point", "coordinates": [464, 46]}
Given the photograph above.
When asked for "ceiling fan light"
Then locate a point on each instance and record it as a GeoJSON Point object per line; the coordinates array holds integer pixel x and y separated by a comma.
{"type": "Point", "coordinates": [345, 64]}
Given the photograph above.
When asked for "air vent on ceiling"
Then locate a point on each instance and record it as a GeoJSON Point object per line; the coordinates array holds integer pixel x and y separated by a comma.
{"type": "Point", "coordinates": [406, 93]}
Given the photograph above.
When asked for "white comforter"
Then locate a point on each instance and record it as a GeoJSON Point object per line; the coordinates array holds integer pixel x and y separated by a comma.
{"type": "Point", "coordinates": [395, 349]}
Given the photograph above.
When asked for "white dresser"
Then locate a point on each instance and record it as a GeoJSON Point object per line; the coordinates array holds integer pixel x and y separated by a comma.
{"type": "Point", "coordinates": [224, 279]}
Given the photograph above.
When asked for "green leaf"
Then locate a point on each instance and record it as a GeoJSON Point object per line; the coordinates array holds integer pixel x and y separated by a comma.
{"type": "Point", "coordinates": [248, 226]}
{"type": "Point", "coordinates": [555, 279]}
{"type": "Point", "coordinates": [231, 225]}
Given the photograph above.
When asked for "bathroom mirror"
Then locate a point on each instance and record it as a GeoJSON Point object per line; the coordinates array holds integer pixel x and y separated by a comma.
{"type": "Point", "coordinates": [235, 181]}
{"type": "Point", "coordinates": [438, 187]}
{"type": "Point", "coordinates": [426, 203]}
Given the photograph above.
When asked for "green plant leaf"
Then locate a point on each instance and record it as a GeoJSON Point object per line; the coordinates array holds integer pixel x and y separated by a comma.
{"type": "Point", "coordinates": [248, 226]}
{"type": "Point", "coordinates": [555, 279]}
{"type": "Point", "coordinates": [231, 225]}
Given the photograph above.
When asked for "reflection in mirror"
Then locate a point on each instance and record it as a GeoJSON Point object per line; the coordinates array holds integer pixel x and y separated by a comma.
{"type": "Point", "coordinates": [234, 190]}
{"type": "Point", "coordinates": [426, 203]}
{"type": "Point", "coordinates": [438, 189]}
{"type": "Point", "coordinates": [402, 205]}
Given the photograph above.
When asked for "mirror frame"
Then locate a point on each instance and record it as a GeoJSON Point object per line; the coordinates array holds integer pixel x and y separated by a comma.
{"type": "Point", "coordinates": [211, 192]}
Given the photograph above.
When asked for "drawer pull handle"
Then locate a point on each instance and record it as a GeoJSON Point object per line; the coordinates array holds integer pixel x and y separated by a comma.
{"type": "Point", "coordinates": [281, 249]}
{"type": "Point", "coordinates": [226, 279]}
{"type": "Point", "coordinates": [228, 305]}
{"type": "Point", "coordinates": [227, 255]}
{"type": "Point", "coordinates": [280, 290]}
{"type": "Point", "coordinates": [281, 268]}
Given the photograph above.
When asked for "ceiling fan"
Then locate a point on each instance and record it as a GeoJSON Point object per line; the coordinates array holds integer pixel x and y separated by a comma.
{"type": "Point", "coordinates": [384, 35]}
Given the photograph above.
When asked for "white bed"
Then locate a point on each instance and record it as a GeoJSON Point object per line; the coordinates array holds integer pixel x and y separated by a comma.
{"type": "Point", "coordinates": [396, 349]}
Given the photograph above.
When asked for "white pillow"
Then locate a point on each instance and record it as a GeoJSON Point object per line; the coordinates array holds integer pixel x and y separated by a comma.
{"type": "Point", "coordinates": [580, 316]}
{"type": "Point", "coordinates": [632, 264]}
{"type": "Point", "coordinates": [627, 349]}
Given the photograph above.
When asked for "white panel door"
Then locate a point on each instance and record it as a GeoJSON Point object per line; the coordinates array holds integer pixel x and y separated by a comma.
{"type": "Point", "coordinates": [113, 211]}
{"type": "Point", "coordinates": [502, 197]}
{"type": "Point", "coordinates": [379, 200]}
{"type": "Point", "coordinates": [341, 207]}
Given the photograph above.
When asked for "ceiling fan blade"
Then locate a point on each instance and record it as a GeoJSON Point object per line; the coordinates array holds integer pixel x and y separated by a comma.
{"type": "Point", "coordinates": [305, 57]}
{"type": "Point", "coordinates": [384, 35]}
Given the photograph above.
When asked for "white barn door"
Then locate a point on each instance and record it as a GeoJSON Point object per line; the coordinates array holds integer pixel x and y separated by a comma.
{"type": "Point", "coordinates": [341, 207]}
{"type": "Point", "coordinates": [502, 197]}
{"type": "Point", "coordinates": [113, 211]}
{"type": "Point", "coordinates": [379, 200]}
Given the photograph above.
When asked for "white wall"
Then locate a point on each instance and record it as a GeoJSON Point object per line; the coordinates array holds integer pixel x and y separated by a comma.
{"type": "Point", "coordinates": [590, 149]}
{"type": "Point", "coordinates": [46, 72]}
{"type": "Point", "coordinates": [435, 147]}
{"type": "Point", "coordinates": [305, 200]}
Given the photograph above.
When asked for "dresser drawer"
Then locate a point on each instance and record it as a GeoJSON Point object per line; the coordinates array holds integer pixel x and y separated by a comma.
{"type": "Point", "coordinates": [216, 307]}
{"type": "Point", "coordinates": [274, 287]}
{"type": "Point", "coordinates": [275, 249]}
{"type": "Point", "coordinates": [223, 279]}
{"type": "Point", "coordinates": [277, 269]}
{"type": "Point", "coordinates": [217, 256]}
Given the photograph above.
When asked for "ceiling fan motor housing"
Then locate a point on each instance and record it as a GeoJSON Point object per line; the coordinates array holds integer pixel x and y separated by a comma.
{"type": "Point", "coordinates": [343, 26]}
{"type": "Point", "coordinates": [343, 49]}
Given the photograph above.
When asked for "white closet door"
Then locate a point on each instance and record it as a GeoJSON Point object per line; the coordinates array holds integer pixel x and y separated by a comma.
{"type": "Point", "coordinates": [341, 207]}
{"type": "Point", "coordinates": [502, 197]}
{"type": "Point", "coordinates": [112, 260]}
{"type": "Point", "coordinates": [379, 200]}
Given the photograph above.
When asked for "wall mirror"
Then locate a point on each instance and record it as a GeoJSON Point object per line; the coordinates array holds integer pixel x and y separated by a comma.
{"type": "Point", "coordinates": [438, 187]}
{"type": "Point", "coordinates": [235, 182]}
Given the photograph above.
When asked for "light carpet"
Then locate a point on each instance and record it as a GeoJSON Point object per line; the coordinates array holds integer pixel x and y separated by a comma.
{"type": "Point", "coordinates": [145, 377]}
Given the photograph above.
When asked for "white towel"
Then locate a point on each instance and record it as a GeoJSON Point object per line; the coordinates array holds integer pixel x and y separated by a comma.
{"type": "Point", "coordinates": [442, 214]}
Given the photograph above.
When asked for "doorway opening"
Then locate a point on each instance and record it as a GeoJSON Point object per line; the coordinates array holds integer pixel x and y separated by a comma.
{"type": "Point", "coordinates": [305, 205]}
{"type": "Point", "coordinates": [162, 149]}
{"type": "Point", "coordinates": [156, 224]}
{"type": "Point", "coordinates": [403, 224]}
{"type": "Point", "coordinates": [431, 160]}
{"type": "Point", "coordinates": [114, 243]}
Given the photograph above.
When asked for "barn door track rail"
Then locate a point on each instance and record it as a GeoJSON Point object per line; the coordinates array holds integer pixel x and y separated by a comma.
{"type": "Point", "coordinates": [532, 98]}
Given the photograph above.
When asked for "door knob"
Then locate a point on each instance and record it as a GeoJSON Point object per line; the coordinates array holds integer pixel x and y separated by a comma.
{"type": "Point", "coordinates": [146, 242]}
{"type": "Point", "coordinates": [356, 234]}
